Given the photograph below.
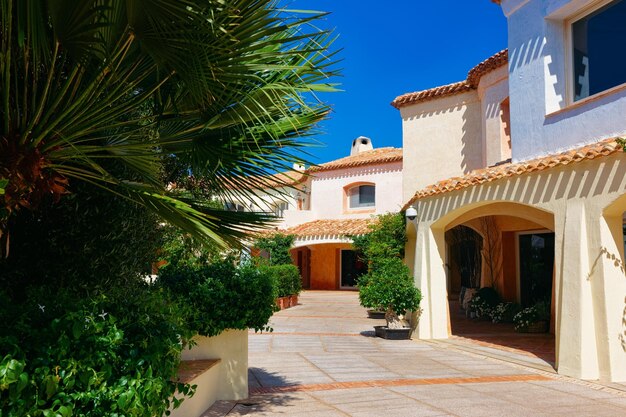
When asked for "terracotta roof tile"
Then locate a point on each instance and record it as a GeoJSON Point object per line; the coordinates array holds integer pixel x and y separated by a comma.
{"type": "Point", "coordinates": [375, 156]}
{"type": "Point", "coordinates": [431, 94]}
{"type": "Point", "coordinates": [281, 179]}
{"type": "Point", "coordinates": [471, 83]}
{"type": "Point", "coordinates": [597, 150]}
{"type": "Point", "coordinates": [488, 65]}
{"type": "Point", "coordinates": [343, 227]}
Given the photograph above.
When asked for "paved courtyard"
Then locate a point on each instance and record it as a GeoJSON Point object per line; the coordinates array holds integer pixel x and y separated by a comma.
{"type": "Point", "coordinates": [322, 360]}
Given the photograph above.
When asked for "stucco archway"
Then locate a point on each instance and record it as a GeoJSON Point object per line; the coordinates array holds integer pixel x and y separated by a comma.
{"type": "Point", "coordinates": [502, 226]}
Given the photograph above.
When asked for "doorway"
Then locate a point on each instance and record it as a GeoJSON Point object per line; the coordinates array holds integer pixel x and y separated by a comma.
{"type": "Point", "coordinates": [351, 269]}
{"type": "Point", "coordinates": [536, 267]}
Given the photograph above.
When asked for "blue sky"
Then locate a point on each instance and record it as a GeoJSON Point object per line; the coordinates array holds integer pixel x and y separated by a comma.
{"type": "Point", "coordinates": [391, 48]}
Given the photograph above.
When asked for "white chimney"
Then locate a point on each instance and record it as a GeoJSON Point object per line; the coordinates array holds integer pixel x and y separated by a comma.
{"type": "Point", "coordinates": [361, 144]}
{"type": "Point", "coordinates": [298, 167]}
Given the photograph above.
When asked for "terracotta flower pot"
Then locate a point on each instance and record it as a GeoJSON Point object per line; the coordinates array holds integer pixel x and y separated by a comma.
{"type": "Point", "coordinates": [293, 300]}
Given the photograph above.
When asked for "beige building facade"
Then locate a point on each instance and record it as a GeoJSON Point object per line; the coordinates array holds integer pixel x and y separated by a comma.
{"type": "Point", "coordinates": [543, 188]}
{"type": "Point", "coordinates": [324, 205]}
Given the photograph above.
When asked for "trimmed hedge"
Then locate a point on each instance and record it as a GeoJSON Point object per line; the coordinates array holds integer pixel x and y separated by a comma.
{"type": "Point", "coordinates": [287, 278]}
{"type": "Point", "coordinates": [222, 296]}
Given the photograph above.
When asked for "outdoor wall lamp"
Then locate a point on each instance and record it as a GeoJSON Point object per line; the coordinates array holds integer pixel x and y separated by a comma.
{"type": "Point", "coordinates": [411, 213]}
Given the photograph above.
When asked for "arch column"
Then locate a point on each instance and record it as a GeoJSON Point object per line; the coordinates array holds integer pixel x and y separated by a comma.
{"type": "Point", "coordinates": [430, 278]}
{"type": "Point", "coordinates": [608, 281]}
{"type": "Point", "coordinates": [576, 347]}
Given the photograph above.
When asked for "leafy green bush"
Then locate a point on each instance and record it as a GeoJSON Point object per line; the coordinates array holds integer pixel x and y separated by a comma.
{"type": "Point", "coordinates": [277, 246]}
{"type": "Point", "coordinates": [505, 312]}
{"type": "Point", "coordinates": [386, 239]}
{"type": "Point", "coordinates": [222, 296]}
{"type": "Point", "coordinates": [390, 288]}
{"type": "Point", "coordinates": [388, 285]}
{"type": "Point", "coordinates": [540, 311]}
{"type": "Point", "coordinates": [105, 355]}
{"type": "Point", "coordinates": [287, 278]}
{"type": "Point", "coordinates": [88, 240]}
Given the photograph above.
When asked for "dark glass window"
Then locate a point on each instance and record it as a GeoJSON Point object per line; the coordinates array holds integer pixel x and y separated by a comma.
{"type": "Point", "coordinates": [232, 206]}
{"type": "Point", "coordinates": [599, 48]}
{"type": "Point", "coordinates": [362, 196]}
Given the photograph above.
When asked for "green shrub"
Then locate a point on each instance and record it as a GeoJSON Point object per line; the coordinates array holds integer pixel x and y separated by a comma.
{"type": "Point", "coordinates": [222, 296]}
{"type": "Point", "coordinates": [181, 250]}
{"type": "Point", "coordinates": [287, 278]}
{"type": "Point", "coordinates": [88, 240]}
{"type": "Point", "coordinates": [277, 246]}
{"type": "Point", "coordinates": [387, 285]}
{"type": "Point", "coordinates": [505, 312]}
{"type": "Point", "coordinates": [390, 288]}
{"type": "Point", "coordinates": [105, 355]}
{"type": "Point", "coordinates": [386, 239]}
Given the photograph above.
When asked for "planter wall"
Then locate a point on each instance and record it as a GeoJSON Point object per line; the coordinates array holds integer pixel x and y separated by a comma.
{"type": "Point", "coordinates": [231, 347]}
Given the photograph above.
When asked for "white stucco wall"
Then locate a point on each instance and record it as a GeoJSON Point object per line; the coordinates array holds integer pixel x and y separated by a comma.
{"type": "Point", "coordinates": [231, 348]}
{"type": "Point", "coordinates": [440, 139]}
{"type": "Point", "coordinates": [493, 89]}
{"type": "Point", "coordinates": [542, 119]}
{"type": "Point", "coordinates": [328, 200]}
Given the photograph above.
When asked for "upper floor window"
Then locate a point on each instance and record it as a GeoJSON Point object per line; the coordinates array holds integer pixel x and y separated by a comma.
{"type": "Point", "coordinates": [233, 206]}
{"type": "Point", "coordinates": [362, 196]}
{"type": "Point", "coordinates": [599, 50]}
{"type": "Point", "coordinates": [280, 208]}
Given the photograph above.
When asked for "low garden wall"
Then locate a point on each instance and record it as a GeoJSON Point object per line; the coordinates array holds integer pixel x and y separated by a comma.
{"type": "Point", "coordinates": [227, 380]}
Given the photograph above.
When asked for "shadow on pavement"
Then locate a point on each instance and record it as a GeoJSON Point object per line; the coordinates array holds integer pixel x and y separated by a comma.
{"type": "Point", "coordinates": [261, 397]}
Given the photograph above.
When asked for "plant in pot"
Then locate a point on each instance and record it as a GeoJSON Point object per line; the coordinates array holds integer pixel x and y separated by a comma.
{"type": "Point", "coordinates": [533, 319]}
{"type": "Point", "coordinates": [390, 288]}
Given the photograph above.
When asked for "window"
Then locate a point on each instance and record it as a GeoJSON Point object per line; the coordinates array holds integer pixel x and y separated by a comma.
{"type": "Point", "coordinates": [599, 50]}
{"type": "Point", "coordinates": [280, 208]}
{"type": "Point", "coordinates": [362, 196]}
{"type": "Point", "coordinates": [232, 206]}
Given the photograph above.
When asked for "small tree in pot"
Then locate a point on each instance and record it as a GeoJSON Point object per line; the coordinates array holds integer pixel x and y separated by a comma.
{"type": "Point", "coordinates": [389, 288]}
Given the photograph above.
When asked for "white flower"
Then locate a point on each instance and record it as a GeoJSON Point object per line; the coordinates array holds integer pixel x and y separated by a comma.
{"type": "Point", "coordinates": [42, 308]}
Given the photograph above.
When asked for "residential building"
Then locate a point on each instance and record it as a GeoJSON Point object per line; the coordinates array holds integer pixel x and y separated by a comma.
{"type": "Point", "coordinates": [324, 205]}
{"type": "Point", "coordinates": [523, 154]}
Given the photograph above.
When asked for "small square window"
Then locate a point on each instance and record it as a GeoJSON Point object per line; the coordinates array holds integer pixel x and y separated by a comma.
{"type": "Point", "coordinates": [599, 50]}
{"type": "Point", "coordinates": [362, 196]}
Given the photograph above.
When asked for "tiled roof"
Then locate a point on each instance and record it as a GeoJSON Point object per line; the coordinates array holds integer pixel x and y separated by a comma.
{"type": "Point", "coordinates": [471, 83]}
{"type": "Point", "coordinates": [430, 94]}
{"type": "Point", "coordinates": [488, 65]}
{"type": "Point", "coordinates": [480, 176]}
{"type": "Point", "coordinates": [375, 156]}
{"type": "Point", "coordinates": [281, 179]}
{"type": "Point", "coordinates": [344, 227]}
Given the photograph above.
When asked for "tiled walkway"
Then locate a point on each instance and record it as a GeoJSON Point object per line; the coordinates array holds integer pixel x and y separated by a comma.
{"type": "Point", "coordinates": [322, 360]}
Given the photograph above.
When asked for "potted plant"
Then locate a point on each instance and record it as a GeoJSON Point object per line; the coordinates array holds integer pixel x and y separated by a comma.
{"type": "Point", "coordinates": [390, 288]}
{"type": "Point", "coordinates": [533, 319]}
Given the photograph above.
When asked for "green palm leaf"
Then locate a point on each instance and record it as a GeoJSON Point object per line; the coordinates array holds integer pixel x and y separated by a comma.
{"type": "Point", "coordinates": [108, 91]}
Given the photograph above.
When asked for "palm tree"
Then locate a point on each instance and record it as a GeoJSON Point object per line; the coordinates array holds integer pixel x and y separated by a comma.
{"type": "Point", "coordinates": [110, 92]}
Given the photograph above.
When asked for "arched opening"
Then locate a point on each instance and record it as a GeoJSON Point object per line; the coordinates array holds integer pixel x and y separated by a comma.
{"type": "Point", "coordinates": [507, 262]}
{"type": "Point", "coordinates": [328, 265]}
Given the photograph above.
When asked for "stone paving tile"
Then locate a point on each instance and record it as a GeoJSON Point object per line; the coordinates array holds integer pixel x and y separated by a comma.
{"type": "Point", "coordinates": [323, 361]}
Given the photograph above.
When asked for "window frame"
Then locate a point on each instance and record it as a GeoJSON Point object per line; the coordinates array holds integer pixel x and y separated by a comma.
{"type": "Point", "coordinates": [569, 56]}
{"type": "Point", "coordinates": [359, 209]}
